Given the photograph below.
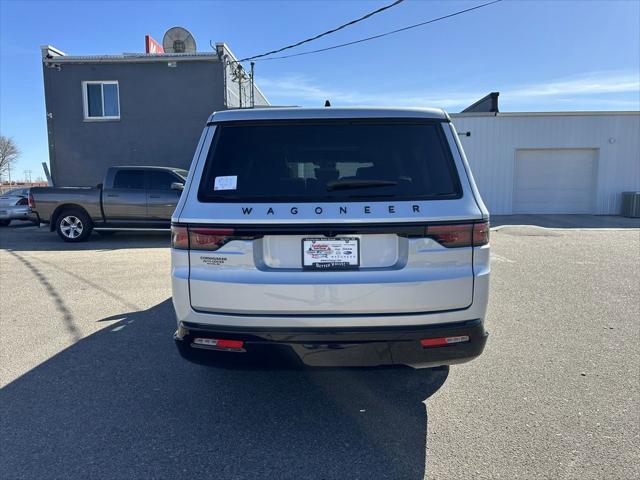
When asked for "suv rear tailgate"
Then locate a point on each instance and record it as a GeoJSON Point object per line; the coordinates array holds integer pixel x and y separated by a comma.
{"type": "Point", "coordinates": [397, 274]}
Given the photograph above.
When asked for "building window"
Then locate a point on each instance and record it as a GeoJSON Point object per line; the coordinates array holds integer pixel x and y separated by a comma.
{"type": "Point", "coordinates": [101, 100]}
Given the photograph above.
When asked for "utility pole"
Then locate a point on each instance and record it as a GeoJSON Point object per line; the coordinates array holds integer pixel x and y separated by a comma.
{"type": "Point", "coordinates": [239, 75]}
{"type": "Point", "coordinates": [253, 98]}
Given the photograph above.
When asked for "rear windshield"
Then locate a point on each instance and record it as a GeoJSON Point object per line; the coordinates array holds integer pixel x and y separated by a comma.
{"type": "Point", "coordinates": [333, 160]}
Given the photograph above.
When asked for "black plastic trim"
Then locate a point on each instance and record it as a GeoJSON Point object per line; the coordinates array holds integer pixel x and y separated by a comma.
{"type": "Point", "coordinates": [289, 332]}
{"type": "Point", "coordinates": [337, 347]}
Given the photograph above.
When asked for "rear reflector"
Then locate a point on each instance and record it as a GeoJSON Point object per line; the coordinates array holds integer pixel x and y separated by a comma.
{"type": "Point", "coordinates": [219, 343]}
{"type": "Point", "coordinates": [442, 341]}
{"type": "Point", "coordinates": [230, 343]}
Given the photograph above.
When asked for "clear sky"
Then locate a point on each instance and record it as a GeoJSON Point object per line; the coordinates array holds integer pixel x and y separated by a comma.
{"type": "Point", "coordinates": [540, 55]}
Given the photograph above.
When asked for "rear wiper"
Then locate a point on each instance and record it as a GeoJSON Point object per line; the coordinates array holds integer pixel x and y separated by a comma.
{"type": "Point", "coordinates": [348, 184]}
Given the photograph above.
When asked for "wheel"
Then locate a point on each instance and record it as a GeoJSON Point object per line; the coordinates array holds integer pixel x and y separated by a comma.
{"type": "Point", "coordinates": [74, 225]}
{"type": "Point", "coordinates": [5, 223]}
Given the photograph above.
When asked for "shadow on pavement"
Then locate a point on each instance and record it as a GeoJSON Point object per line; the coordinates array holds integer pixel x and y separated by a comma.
{"type": "Point", "coordinates": [24, 236]}
{"type": "Point", "coordinates": [566, 221]}
{"type": "Point", "coordinates": [122, 404]}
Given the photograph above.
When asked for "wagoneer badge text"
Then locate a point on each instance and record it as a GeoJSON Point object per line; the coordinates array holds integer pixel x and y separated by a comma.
{"type": "Point", "coordinates": [342, 210]}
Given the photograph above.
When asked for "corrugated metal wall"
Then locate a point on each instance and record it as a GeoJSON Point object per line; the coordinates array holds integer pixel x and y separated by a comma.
{"type": "Point", "coordinates": [491, 150]}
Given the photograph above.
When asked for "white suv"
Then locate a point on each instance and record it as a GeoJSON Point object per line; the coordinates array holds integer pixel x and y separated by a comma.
{"type": "Point", "coordinates": [337, 237]}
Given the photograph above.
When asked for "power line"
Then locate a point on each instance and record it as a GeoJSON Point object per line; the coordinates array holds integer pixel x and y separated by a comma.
{"type": "Point", "coordinates": [373, 37]}
{"type": "Point", "coordinates": [348, 24]}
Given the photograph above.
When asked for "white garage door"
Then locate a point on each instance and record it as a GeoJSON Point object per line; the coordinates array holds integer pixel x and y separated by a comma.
{"type": "Point", "coordinates": [555, 181]}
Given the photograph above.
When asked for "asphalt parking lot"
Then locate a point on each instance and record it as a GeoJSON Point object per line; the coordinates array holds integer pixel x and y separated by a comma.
{"type": "Point", "coordinates": [92, 387]}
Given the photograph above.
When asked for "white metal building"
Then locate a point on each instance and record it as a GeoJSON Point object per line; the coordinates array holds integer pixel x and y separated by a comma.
{"type": "Point", "coordinates": [559, 162]}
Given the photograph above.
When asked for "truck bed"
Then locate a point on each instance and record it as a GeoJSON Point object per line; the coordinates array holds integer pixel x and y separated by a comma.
{"type": "Point", "coordinates": [47, 199]}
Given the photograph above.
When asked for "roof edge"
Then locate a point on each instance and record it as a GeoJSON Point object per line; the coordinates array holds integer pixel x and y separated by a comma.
{"type": "Point", "coordinates": [298, 113]}
{"type": "Point", "coordinates": [49, 56]}
{"type": "Point", "coordinates": [49, 51]}
{"type": "Point", "coordinates": [549, 114]}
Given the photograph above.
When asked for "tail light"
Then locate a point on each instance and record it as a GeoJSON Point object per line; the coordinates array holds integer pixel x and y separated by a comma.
{"type": "Point", "coordinates": [200, 238]}
{"type": "Point", "coordinates": [23, 201]}
{"type": "Point", "coordinates": [209, 238]}
{"type": "Point", "coordinates": [179, 237]}
{"type": "Point", "coordinates": [480, 234]}
{"type": "Point", "coordinates": [31, 202]}
{"type": "Point", "coordinates": [460, 235]}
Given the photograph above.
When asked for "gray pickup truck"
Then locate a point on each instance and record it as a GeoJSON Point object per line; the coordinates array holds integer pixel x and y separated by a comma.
{"type": "Point", "coordinates": [130, 198]}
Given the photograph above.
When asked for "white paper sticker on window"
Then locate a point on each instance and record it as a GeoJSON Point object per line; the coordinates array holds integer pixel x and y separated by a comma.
{"type": "Point", "coordinates": [226, 183]}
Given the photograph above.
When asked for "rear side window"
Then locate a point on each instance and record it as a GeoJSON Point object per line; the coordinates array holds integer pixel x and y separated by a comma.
{"type": "Point", "coordinates": [133, 179]}
{"type": "Point", "coordinates": [326, 161]}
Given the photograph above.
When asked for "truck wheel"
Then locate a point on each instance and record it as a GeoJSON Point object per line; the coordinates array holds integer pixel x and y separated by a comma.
{"type": "Point", "coordinates": [4, 223]}
{"type": "Point", "coordinates": [74, 225]}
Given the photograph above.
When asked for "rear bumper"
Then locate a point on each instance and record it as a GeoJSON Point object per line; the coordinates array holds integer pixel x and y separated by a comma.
{"type": "Point", "coordinates": [336, 347]}
{"type": "Point", "coordinates": [15, 213]}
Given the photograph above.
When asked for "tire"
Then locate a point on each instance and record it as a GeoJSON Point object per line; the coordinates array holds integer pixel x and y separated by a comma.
{"type": "Point", "coordinates": [5, 223]}
{"type": "Point", "coordinates": [74, 225]}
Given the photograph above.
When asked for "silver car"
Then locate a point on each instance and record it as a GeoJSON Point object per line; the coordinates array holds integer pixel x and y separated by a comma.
{"type": "Point", "coordinates": [336, 237]}
{"type": "Point", "coordinates": [14, 205]}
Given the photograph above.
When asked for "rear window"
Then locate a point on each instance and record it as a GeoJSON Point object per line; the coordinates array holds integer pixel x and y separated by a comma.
{"type": "Point", "coordinates": [333, 160]}
{"type": "Point", "coordinates": [133, 179]}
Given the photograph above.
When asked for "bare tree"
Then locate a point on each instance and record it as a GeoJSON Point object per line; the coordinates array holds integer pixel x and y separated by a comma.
{"type": "Point", "coordinates": [9, 153]}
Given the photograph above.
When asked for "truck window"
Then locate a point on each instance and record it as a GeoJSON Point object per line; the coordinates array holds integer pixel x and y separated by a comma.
{"type": "Point", "coordinates": [161, 180]}
{"type": "Point", "coordinates": [329, 161]}
{"type": "Point", "coordinates": [133, 179]}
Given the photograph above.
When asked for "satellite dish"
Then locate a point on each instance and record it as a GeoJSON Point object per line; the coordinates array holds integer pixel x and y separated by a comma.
{"type": "Point", "coordinates": [178, 40]}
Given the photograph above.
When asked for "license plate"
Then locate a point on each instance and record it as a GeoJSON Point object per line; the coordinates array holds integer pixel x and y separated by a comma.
{"type": "Point", "coordinates": [330, 253]}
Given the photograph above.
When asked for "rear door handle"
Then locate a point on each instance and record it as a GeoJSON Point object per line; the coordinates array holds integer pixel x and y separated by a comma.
{"type": "Point", "coordinates": [112, 195]}
{"type": "Point", "coordinates": [154, 196]}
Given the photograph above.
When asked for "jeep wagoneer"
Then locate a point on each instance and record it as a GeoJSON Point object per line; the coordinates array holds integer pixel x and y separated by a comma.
{"type": "Point", "coordinates": [342, 237]}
